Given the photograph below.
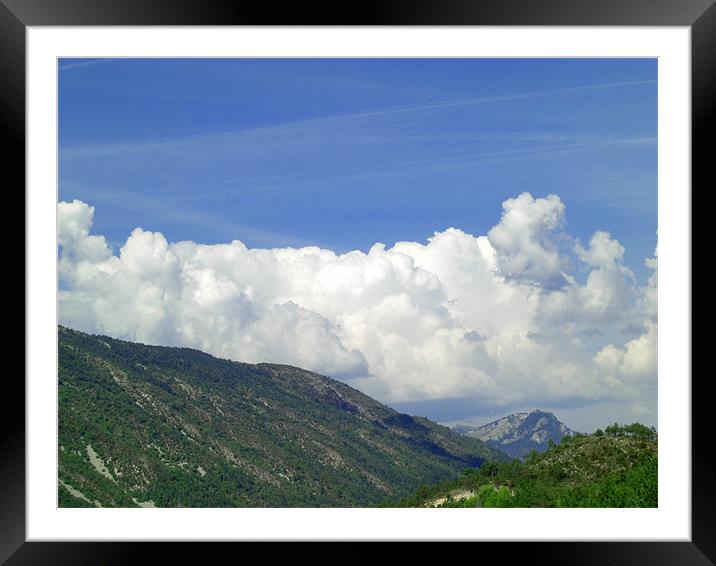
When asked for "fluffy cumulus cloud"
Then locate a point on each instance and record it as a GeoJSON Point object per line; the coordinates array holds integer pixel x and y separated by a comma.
{"type": "Point", "coordinates": [526, 239]}
{"type": "Point", "coordinates": [496, 317]}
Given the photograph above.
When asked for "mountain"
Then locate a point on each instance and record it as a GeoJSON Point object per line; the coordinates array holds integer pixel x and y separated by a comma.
{"type": "Point", "coordinates": [618, 468]}
{"type": "Point", "coordinates": [168, 427]}
{"type": "Point", "coordinates": [519, 433]}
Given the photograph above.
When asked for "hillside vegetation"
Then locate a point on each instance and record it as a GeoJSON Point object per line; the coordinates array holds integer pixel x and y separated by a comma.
{"type": "Point", "coordinates": [173, 427]}
{"type": "Point", "coordinates": [612, 468]}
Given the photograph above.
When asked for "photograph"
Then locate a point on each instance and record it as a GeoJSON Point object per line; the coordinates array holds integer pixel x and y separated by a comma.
{"type": "Point", "coordinates": [384, 277]}
{"type": "Point", "coordinates": [357, 282]}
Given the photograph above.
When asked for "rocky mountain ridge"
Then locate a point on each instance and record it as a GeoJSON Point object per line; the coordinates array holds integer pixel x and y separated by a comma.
{"type": "Point", "coordinates": [518, 434]}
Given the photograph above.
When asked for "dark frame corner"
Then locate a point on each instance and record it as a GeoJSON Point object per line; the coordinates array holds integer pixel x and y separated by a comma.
{"type": "Point", "coordinates": [17, 15]}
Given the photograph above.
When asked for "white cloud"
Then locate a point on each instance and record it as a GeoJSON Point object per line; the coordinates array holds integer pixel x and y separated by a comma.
{"type": "Point", "coordinates": [635, 361]}
{"type": "Point", "coordinates": [73, 226]}
{"type": "Point", "coordinates": [602, 252]}
{"type": "Point", "coordinates": [493, 317]}
{"type": "Point", "coordinates": [650, 298]}
{"type": "Point", "coordinates": [524, 239]}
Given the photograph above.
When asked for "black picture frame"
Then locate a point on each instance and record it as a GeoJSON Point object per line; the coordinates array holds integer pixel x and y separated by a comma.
{"type": "Point", "coordinates": [17, 15]}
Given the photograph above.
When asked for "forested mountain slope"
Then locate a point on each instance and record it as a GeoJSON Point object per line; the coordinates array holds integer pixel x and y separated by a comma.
{"type": "Point", "coordinates": [617, 467]}
{"type": "Point", "coordinates": [167, 427]}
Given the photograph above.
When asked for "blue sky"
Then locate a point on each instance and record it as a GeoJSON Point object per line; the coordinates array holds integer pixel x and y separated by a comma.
{"type": "Point", "coordinates": [343, 153]}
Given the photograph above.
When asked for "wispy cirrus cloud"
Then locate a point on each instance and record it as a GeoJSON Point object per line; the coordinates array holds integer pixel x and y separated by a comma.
{"type": "Point", "coordinates": [174, 210]}
{"type": "Point", "coordinates": [66, 66]}
{"type": "Point", "coordinates": [83, 152]}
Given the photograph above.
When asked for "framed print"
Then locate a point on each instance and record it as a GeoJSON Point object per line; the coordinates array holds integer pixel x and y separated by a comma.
{"type": "Point", "coordinates": [322, 259]}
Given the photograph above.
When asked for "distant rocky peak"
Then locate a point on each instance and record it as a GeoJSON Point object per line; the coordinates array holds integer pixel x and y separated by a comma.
{"type": "Point", "coordinates": [518, 434]}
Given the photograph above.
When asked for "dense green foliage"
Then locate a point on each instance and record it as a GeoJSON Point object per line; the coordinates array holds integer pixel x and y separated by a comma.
{"type": "Point", "coordinates": [617, 468]}
{"type": "Point", "coordinates": [634, 430]}
{"type": "Point", "coordinates": [176, 427]}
